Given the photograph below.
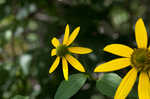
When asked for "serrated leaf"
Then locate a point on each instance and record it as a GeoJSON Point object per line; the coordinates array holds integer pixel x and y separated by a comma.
{"type": "Point", "coordinates": [68, 88]}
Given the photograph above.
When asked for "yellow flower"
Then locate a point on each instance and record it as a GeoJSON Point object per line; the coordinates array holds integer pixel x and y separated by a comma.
{"type": "Point", "coordinates": [64, 51]}
{"type": "Point", "coordinates": [138, 59]}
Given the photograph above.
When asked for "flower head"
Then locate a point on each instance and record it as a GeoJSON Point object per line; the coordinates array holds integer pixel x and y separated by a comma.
{"type": "Point", "coordinates": [138, 59]}
{"type": "Point", "coordinates": [63, 51]}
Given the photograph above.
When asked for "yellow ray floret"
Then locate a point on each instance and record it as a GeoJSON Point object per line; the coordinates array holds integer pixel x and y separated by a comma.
{"type": "Point", "coordinates": [65, 68]}
{"type": "Point", "coordinates": [119, 49]}
{"type": "Point", "coordinates": [55, 42]}
{"type": "Point", "coordinates": [126, 84]}
{"type": "Point", "coordinates": [141, 34]}
{"type": "Point", "coordinates": [73, 36]}
{"type": "Point", "coordinates": [79, 50]}
{"type": "Point", "coordinates": [66, 36]}
{"type": "Point", "coordinates": [113, 65]}
{"type": "Point", "coordinates": [75, 63]}
{"type": "Point", "coordinates": [53, 52]}
{"type": "Point", "coordinates": [143, 86]}
{"type": "Point", "coordinates": [149, 47]}
{"type": "Point", "coordinates": [55, 64]}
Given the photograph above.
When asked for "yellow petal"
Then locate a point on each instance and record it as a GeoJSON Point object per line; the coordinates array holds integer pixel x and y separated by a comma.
{"type": "Point", "coordinates": [75, 63]}
{"type": "Point", "coordinates": [55, 42]}
{"type": "Point", "coordinates": [73, 36]}
{"type": "Point", "coordinates": [113, 65]}
{"type": "Point", "coordinates": [141, 34]}
{"type": "Point", "coordinates": [149, 47]}
{"type": "Point", "coordinates": [79, 50]}
{"type": "Point", "coordinates": [55, 64]}
{"type": "Point", "coordinates": [119, 49]}
{"type": "Point", "coordinates": [66, 36]}
{"type": "Point", "coordinates": [149, 83]}
{"type": "Point", "coordinates": [53, 52]}
{"type": "Point", "coordinates": [126, 84]}
{"type": "Point", "coordinates": [65, 68]}
{"type": "Point", "coordinates": [143, 86]}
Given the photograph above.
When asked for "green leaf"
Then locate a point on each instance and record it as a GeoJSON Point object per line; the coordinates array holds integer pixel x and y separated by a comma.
{"type": "Point", "coordinates": [108, 84]}
{"type": "Point", "coordinates": [70, 87]}
{"type": "Point", "coordinates": [20, 97]}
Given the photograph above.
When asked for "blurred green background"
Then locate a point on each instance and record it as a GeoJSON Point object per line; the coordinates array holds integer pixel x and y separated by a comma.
{"type": "Point", "coordinates": [26, 30]}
